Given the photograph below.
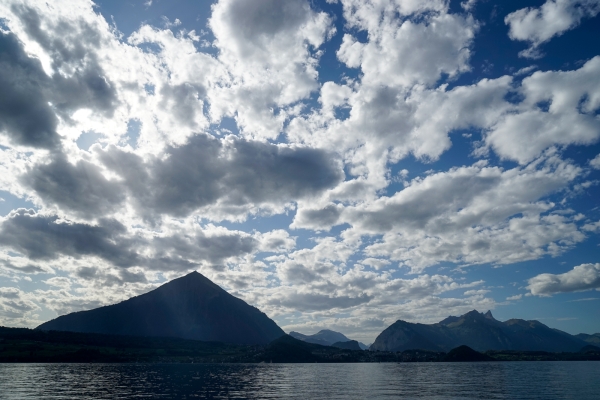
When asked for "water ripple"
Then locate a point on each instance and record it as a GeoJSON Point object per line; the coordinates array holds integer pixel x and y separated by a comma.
{"type": "Point", "coordinates": [497, 380]}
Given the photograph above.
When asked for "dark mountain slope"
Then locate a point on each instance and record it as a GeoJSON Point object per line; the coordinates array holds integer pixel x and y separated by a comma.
{"type": "Point", "coordinates": [190, 307]}
{"type": "Point", "coordinates": [479, 331]}
{"type": "Point", "coordinates": [324, 337]}
{"type": "Point", "coordinates": [349, 345]}
{"type": "Point", "coordinates": [591, 339]}
{"type": "Point", "coordinates": [465, 354]}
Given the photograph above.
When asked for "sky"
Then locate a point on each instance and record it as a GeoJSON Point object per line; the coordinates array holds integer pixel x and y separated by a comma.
{"type": "Point", "coordinates": [337, 164]}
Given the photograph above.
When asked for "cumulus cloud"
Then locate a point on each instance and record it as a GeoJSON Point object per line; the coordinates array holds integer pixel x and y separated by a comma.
{"type": "Point", "coordinates": [322, 218]}
{"type": "Point", "coordinates": [471, 215]}
{"type": "Point", "coordinates": [402, 54]}
{"type": "Point", "coordinates": [42, 237]}
{"type": "Point", "coordinates": [270, 48]}
{"type": "Point", "coordinates": [538, 25]}
{"type": "Point", "coordinates": [581, 278]}
{"type": "Point", "coordinates": [48, 237]}
{"type": "Point", "coordinates": [233, 174]}
{"type": "Point", "coordinates": [16, 306]}
{"type": "Point", "coordinates": [79, 188]}
{"type": "Point", "coordinates": [559, 108]}
{"type": "Point", "coordinates": [25, 114]}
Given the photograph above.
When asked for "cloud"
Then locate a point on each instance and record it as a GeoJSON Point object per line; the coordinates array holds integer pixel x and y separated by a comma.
{"type": "Point", "coordinates": [476, 214]}
{"type": "Point", "coordinates": [559, 108]}
{"type": "Point", "coordinates": [26, 268]}
{"type": "Point", "coordinates": [405, 53]}
{"type": "Point", "coordinates": [78, 79]}
{"type": "Point", "coordinates": [79, 188]}
{"type": "Point", "coordinates": [538, 25]}
{"type": "Point", "coordinates": [47, 237]}
{"type": "Point", "coordinates": [41, 237]}
{"type": "Point", "coordinates": [269, 47]}
{"type": "Point", "coordinates": [25, 115]}
{"type": "Point", "coordinates": [581, 278]}
{"type": "Point", "coordinates": [281, 116]}
{"type": "Point", "coordinates": [16, 306]}
{"type": "Point", "coordinates": [595, 162]}
{"type": "Point", "coordinates": [231, 174]}
{"type": "Point", "coordinates": [322, 218]}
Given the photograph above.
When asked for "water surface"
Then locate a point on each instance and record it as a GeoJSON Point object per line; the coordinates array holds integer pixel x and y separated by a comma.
{"type": "Point", "coordinates": [493, 380]}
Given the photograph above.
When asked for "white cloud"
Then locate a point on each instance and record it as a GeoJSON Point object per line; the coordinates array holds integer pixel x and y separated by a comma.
{"type": "Point", "coordinates": [580, 278]}
{"type": "Point", "coordinates": [537, 25]}
{"type": "Point", "coordinates": [406, 52]}
{"type": "Point", "coordinates": [559, 108]}
{"type": "Point", "coordinates": [471, 215]}
{"type": "Point", "coordinates": [468, 5]}
{"type": "Point", "coordinates": [595, 162]}
{"type": "Point", "coordinates": [270, 50]}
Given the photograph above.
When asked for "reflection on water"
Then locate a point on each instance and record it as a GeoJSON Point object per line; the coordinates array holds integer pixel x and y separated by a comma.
{"type": "Point", "coordinates": [499, 380]}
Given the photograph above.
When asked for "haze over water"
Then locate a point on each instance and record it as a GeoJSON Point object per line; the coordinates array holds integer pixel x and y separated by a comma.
{"type": "Point", "coordinates": [506, 380]}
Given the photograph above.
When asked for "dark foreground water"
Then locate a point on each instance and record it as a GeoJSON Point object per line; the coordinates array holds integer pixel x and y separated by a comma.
{"type": "Point", "coordinates": [497, 380]}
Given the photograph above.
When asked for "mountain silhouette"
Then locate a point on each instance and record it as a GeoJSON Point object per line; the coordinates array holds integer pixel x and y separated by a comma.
{"type": "Point", "coordinates": [349, 345]}
{"type": "Point", "coordinates": [480, 332]}
{"type": "Point", "coordinates": [325, 337]}
{"type": "Point", "coordinates": [465, 354]}
{"type": "Point", "coordinates": [592, 339]}
{"type": "Point", "coordinates": [190, 307]}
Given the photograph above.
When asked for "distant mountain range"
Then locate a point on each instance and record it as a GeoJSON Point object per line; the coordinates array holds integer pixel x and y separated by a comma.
{"type": "Point", "coordinates": [325, 337]}
{"type": "Point", "coordinates": [479, 331]}
{"type": "Point", "coordinates": [190, 307]}
{"type": "Point", "coordinates": [193, 307]}
{"type": "Point", "coordinates": [349, 345]}
{"type": "Point", "coordinates": [591, 339]}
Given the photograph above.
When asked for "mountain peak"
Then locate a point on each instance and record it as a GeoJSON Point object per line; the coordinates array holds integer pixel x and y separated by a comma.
{"type": "Point", "coordinates": [479, 331]}
{"type": "Point", "coordinates": [473, 313]}
{"type": "Point", "coordinates": [189, 307]}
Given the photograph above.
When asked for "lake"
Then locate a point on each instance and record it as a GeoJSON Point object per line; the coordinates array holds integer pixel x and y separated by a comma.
{"type": "Point", "coordinates": [487, 380]}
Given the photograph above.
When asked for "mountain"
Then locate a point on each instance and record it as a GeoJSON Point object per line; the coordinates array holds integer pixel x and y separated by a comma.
{"type": "Point", "coordinates": [479, 331]}
{"type": "Point", "coordinates": [325, 337]}
{"type": "Point", "coordinates": [308, 338]}
{"type": "Point", "coordinates": [591, 339]}
{"type": "Point", "coordinates": [190, 307]}
{"type": "Point", "coordinates": [465, 353]}
{"type": "Point", "coordinates": [349, 345]}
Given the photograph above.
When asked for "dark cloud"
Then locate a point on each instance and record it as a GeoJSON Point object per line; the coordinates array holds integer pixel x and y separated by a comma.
{"type": "Point", "coordinates": [256, 22]}
{"type": "Point", "coordinates": [86, 273]}
{"type": "Point", "coordinates": [423, 206]}
{"type": "Point", "coordinates": [206, 171]}
{"type": "Point", "coordinates": [66, 42]}
{"type": "Point", "coordinates": [214, 249]}
{"type": "Point", "coordinates": [86, 88]}
{"type": "Point", "coordinates": [101, 278]}
{"type": "Point", "coordinates": [30, 99]}
{"type": "Point", "coordinates": [24, 111]}
{"type": "Point", "coordinates": [319, 302]}
{"type": "Point", "coordinates": [10, 293]}
{"type": "Point", "coordinates": [72, 47]}
{"type": "Point", "coordinates": [27, 269]}
{"type": "Point", "coordinates": [80, 188]}
{"type": "Point", "coordinates": [41, 237]}
{"type": "Point", "coordinates": [323, 218]}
